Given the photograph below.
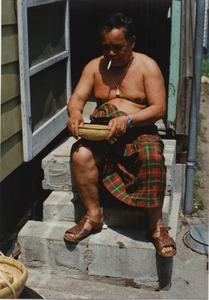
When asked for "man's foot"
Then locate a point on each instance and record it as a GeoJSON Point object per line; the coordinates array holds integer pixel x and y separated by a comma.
{"type": "Point", "coordinates": [83, 229]}
{"type": "Point", "coordinates": [163, 242]}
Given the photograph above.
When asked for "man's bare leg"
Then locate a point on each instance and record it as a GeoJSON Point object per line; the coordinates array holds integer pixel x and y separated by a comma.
{"type": "Point", "coordinates": [86, 175]}
{"type": "Point", "coordinates": [155, 221]}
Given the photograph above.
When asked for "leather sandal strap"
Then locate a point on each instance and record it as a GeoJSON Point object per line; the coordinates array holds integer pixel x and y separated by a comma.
{"type": "Point", "coordinates": [159, 229]}
{"type": "Point", "coordinates": [79, 231]}
{"type": "Point", "coordinates": [94, 224]}
{"type": "Point", "coordinates": [164, 240]}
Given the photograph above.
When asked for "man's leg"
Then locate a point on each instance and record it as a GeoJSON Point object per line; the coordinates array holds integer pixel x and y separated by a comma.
{"type": "Point", "coordinates": [86, 175]}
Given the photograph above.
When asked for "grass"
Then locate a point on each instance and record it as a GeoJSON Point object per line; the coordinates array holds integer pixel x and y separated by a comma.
{"type": "Point", "coordinates": [198, 200]}
{"type": "Point", "coordinates": [201, 129]}
{"type": "Point", "coordinates": [205, 65]}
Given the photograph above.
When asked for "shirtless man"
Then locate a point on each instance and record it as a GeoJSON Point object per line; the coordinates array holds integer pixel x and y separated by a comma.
{"type": "Point", "coordinates": [132, 84]}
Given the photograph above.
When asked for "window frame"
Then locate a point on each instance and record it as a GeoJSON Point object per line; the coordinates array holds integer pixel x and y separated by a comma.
{"type": "Point", "coordinates": [34, 142]}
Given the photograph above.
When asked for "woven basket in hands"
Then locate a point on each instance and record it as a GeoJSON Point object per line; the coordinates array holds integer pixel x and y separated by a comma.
{"type": "Point", "coordinates": [94, 132]}
{"type": "Point", "coordinates": [13, 274]}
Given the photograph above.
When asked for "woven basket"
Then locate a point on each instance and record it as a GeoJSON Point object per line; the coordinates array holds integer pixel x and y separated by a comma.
{"type": "Point", "coordinates": [15, 273]}
{"type": "Point", "coordinates": [94, 132]}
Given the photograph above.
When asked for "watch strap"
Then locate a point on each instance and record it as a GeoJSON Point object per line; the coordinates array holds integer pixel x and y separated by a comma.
{"type": "Point", "coordinates": [130, 123]}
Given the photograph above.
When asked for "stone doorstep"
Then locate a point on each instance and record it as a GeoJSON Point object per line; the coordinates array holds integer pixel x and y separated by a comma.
{"type": "Point", "coordinates": [116, 253]}
{"type": "Point", "coordinates": [67, 207]}
{"type": "Point", "coordinates": [57, 167]}
{"type": "Point", "coordinates": [112, 255]}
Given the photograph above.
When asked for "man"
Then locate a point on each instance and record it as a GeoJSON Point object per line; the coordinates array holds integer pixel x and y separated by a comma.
{"type": "Point", "coordinates": [130, 94]}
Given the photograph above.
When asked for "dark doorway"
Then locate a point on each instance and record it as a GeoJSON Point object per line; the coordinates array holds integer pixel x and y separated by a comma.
{"type": "Point", "coordinates": [151, 19]}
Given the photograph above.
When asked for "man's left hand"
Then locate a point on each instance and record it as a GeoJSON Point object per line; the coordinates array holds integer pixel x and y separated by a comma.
{"type": "Point", "coordinates": [118, 127]}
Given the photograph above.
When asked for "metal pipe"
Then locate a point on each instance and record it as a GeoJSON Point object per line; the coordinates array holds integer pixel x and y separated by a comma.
{"type": "Point", "coordinates": [195, 103]}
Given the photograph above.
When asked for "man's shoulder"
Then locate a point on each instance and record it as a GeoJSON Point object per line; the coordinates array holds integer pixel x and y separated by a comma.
{"type": "Point", "coordinates": [92, 67]}
{"type": "Point", "coordinates": [143, 58]}
{"type": "Point", "coordinates": [95, 62]}
{"type": "Point", "coordinates": [145, 62]}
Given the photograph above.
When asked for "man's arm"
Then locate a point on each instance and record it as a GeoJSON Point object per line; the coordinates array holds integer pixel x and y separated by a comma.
{"type": "Point", "coordinates": [155, 94]}
{"type": "Point", "coordinates": [79, 98]}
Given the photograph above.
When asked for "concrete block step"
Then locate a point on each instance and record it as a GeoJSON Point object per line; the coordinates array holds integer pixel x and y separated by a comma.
{"type": "Point", "coordinates": [67, 207]}
{"type": "Point", "coordinates": [56, 166]}
{"type": "Point", "coordinates": [112, 254]}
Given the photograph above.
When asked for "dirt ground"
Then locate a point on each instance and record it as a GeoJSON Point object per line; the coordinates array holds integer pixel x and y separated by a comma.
{"type": "Point", "coordinates": [203, 189]}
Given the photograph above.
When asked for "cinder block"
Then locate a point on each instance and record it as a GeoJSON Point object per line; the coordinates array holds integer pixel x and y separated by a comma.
{"type": "Point", "coordinates": [67, 207]}
{"type": "Point", "coordinates": [180, 181]}
{"type": "Point", "coordinates": [170, 159]}
{"type": "Point", "coordinates": [118, 254]}
{"type": "Point", "coordinates": [56, 165]}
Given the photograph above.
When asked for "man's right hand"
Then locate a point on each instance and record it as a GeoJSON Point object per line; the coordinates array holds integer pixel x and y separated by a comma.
{"type": "Point", "coordinates": [73, 123]}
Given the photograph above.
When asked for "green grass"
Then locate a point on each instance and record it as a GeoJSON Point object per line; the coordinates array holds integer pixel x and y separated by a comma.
{"type": "Point", "coordinates": [205, 66]}
{"type": "Point", "coordinates": [198, 200]}
{"type": "Point", "coordinates": [199, 154]}
{"type": "Point", "coordinates": [201, 129]}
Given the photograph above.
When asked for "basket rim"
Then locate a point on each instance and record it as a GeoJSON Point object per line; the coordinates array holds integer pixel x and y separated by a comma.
{"type": "Point", "coordinates": [94, 127]}
{"type": "Point", "coordinates": [20, 283]}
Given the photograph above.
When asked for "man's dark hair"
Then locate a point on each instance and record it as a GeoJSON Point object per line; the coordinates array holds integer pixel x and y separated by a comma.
{"type": "Point", "coordinates": [118, 20]}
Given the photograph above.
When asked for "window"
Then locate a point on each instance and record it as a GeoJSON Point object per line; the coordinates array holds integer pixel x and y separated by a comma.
{"type": "Point", "coordinates": [44, 56]}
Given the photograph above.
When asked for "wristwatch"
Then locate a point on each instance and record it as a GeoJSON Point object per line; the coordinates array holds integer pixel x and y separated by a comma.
{"type": "Point", "coordinates": [130, 123]}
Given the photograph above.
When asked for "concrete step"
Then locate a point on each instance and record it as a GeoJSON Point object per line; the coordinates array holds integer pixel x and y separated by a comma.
{"type": "Point", "coordinates": [56, 166]}
{"type": "Point", "coordinates": [68, 207]}
{"type": "Point", "coordinates": [113, 255]}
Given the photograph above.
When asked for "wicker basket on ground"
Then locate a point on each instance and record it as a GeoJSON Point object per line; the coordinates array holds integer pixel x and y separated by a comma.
{"type": "Point", "coordinates": [13, 276]}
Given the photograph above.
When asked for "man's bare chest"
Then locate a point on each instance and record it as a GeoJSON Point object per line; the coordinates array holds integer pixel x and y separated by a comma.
{"type": "Point", "coordinates": [108, 86]}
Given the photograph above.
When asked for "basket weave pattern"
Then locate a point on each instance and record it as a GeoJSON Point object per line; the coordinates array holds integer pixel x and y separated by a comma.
{"type": "Point", "coordinates": [94, 132]}
{"type": "Point", "coordinates": [14, 272]}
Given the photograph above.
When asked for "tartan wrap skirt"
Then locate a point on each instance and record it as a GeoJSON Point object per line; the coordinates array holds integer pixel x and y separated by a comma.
{"type": "Point", "coordinates": [134, 170]}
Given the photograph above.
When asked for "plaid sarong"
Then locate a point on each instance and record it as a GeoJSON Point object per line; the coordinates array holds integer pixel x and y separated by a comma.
{"type": "Point", "coordinates": [134, 170]}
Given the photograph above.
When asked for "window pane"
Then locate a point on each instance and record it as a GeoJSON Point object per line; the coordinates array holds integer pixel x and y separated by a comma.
{"type": "Point", "coordinates": [48, 93]}
{"type": "Point", "coordinates": [46, 27]}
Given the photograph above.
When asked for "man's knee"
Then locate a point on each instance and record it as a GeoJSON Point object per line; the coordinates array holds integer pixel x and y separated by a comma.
{"type": "Point", "coordinates": [81, 156]}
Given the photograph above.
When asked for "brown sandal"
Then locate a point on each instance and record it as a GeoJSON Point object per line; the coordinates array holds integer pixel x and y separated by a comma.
{"type": "Point", "coordinates": [164, 240]}
{"type": "Point", "coordinates": [80, 232]}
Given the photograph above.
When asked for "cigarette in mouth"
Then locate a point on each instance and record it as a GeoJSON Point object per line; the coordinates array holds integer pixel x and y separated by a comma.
{"type": "Point", "coordinates": [109, 64]}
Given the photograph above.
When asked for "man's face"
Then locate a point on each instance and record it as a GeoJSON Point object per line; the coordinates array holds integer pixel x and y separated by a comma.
{"type": "Point", "coordinates": [116, 48]}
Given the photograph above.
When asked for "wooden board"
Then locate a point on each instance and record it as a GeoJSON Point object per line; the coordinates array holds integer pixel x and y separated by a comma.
{"type": "Point", "coordinates": [10, 119]}
{"type": "Point", "coordinates": [9, 44]}
{"type": "Point", "coordinates": [10, 82]}
{"type": "Point", "coordinates": [186, 71]}
{"type": "Point", "coordinates": [11, 155]}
